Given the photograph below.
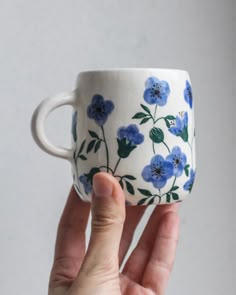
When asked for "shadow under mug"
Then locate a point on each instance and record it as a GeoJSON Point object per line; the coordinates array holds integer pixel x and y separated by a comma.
{"type": "Point", "coordinates": [136, 124]}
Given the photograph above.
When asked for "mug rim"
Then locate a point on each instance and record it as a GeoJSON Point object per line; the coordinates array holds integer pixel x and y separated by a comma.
{"type": "Point", "coordinates": [112, 70]}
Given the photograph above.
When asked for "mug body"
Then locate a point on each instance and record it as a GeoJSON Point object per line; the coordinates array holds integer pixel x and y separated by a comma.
{"type": "Point", "coordinates": [138, 125]}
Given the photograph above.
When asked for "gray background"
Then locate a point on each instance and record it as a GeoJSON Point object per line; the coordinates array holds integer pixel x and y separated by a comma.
{"type": "Point", "coordinates": [43, 46]}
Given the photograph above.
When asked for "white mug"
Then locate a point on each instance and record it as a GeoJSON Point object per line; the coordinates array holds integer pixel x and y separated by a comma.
{"type": "Point", "coordinates": [136, 124]}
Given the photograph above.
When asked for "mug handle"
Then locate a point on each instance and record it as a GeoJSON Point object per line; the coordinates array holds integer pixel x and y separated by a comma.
{"type": "Point", "coordinates": [38, 123]}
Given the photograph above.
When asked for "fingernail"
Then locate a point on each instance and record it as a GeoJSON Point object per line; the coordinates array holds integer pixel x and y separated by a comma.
{"type": "Point", "coordinates": [102, 186]}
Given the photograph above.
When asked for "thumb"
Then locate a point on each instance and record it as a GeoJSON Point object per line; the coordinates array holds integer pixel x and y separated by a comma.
{"type": "Point", "coordinates": [108, 215]}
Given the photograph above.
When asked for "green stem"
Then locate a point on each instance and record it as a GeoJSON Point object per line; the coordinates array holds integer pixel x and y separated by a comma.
{"type": "Point", "coordinates": [117, 163]}
{"type": "Point", "coordinates": [166, 146]}
{"type": "Point", "coordinates": [106, 168]}
{"type": "Point", "coordinates": [107, 153]}
{"type": "Point", "coordinates": [153, 148]}
{"type": "Point", "coordinates": [170, 189]}
{"type": "Point", "coordinates": [159, 119]}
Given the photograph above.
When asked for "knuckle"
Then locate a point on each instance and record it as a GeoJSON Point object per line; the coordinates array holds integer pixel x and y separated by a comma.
{"type": "Point", "coordinates": [64, 271]}
{"type": "Point", "coordinates": [101, 219]}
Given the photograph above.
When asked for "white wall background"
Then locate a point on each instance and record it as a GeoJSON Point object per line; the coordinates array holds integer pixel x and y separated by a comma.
{"type": "Point", "coordinates": [43, 44]}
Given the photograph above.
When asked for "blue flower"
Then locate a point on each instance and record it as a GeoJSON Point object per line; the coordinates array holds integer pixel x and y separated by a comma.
{"type": "Point", "coordinates": [131, 134]}
{"type": "Point", "coordinates": [158, 171]}
{"type": "Point", "coordinates": [188, 95]}
{"type": "Point", "coordinates": [156, 91]}
{"type": "Point", "coordinates": [73, 127]}
{"type": "Point", "coordinates": [99, 109]}
{"type": "Point", "coordinates": [180, 126]}
{"type": "Point", "coordinates": [128, 139]}
{"type": "Point", "coordinates": [178, 159]}
{"type": "Point", "coordinates": [189, 183]}
{"type": "Point", "coordinates": [86, 183]}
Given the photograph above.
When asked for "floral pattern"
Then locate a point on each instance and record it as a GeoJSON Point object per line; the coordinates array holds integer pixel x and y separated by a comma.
{"type": "Point", "coordinates": [178, 160]}
{"type": "Point", "coordinates": [156, 91]}
{"type": "Point", "coordinates": [158, 171]}
{"type": "Point", "coordinates": [189, 183]}
{"type": "Point", "coordinates": [99, 109]}
{"type": "Point", "coordinates": [180, 126]}
{"type": "Point", "coordinates": [128, 138]}
{"type": "Point", "coordinates": [188, 96]}
{"type": "Point", "coordinates": [162, 171]}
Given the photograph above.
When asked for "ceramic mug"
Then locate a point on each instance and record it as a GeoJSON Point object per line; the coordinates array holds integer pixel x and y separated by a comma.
{"type": "Point", "coordinates": [136, 124]}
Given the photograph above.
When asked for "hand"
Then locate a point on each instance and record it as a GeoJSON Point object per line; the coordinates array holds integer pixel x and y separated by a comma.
{"type": "Point", "coordinates": [96, 272]}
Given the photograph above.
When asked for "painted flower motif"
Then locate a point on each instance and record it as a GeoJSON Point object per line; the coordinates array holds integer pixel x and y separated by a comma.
{"type": "Point", "coordinates": [178, 159]}
{"type": "Point", "coordinates": [131, 134]}
{"type": "Point", "coordinates": [188, 95]}
{"type": "Point", "coordinates": [156, 91]}
{"type": "Point", "coordinates": [128, 138]}
{"type": "Point", "coordinates": [99, 109]}
{"type": "Point", "coordinates": [189, 183]}
{"type": "Point", "coordinates": [73, 127]}
{"type": "Point", "coordinates": [86, 183]}
{"type": "Point", "coordinates": [180, 126]}
{"type": "Point", "coordinates": [158, 171]}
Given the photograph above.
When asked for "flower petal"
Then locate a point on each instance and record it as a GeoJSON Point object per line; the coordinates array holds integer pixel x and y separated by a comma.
{"type": "Point", "coordinates": [165, 88]}
{"type": "Point", "coordinates": [161, 101]}
{"type": "Point", "coordinates": [150, 82]}
{"type": "Point", "coordinates": [176, 150]}
{"type": "Point", "coordinates": [168, 166]}
{"type": "Point", "coordinates": [175, 130]}
{"type": "Point", "coordinates": [160, 182]}
{"type": "Point", "coordinates": [147, 173]}
{"type": "Point", "coordinates": [157, 160]}
{"type": "Point", "coordinates": [149, 97]}
{"type": "Point", "coordinates": [109, 106]}
{"type": "Point", "coordinates": [139, 138]}
{"type": "Point", "coordinates": [97, 98]}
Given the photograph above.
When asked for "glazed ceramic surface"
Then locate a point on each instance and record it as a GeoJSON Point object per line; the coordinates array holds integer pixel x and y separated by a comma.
{"type": "Point", "coordinates": [136, 124]}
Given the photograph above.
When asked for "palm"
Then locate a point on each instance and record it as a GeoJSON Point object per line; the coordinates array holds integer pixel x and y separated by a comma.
{"type": "Point", "coordinates": [146, 270]}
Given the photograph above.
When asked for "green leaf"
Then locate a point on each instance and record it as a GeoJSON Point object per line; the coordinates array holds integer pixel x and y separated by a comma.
{"type": "Point", "coordinates": [139, 115]}
{"type": "Point", "coordinates": [145, 192]}
{"type": "Point", "coordinates": [146, 109]}
{"type": "Point", "coordinates": [82, 147]}
{"type": "Point", "coordinates": [169, 117]}
{"type": "Point", "coordinates": [93, 134]}
{"type": "Point", "coordinates": [186, 170]}
{"type": "Point", "coordinates": [144, 120]}
{"type": "Point", "coordinates": [91, 145]}
{"type": "Point", "coordinates": [174, 188]}
{"type": "Point", "coordinates": [156, 135]}
{"type": "Point", "coordinates": [129, 177]}
{"type": "Point", "coordinates": [151, 201]}
{"type": "Point", "coordinates": [167, 198]}
{"type": "Point", "coordinates": [175, 196]}
{"type": "Point", "coordinates": [167, 123]}
{"type": "Point", "coordinates": [97, 146]}
{"type": "Point", "coordinates": [121, 183]}
{"type": "Point", "coordinates": [82, 157]}
{"type": "Point", "coordinates": [142, 201]}
{"type": "Point", "coordinates": [184, 134]}
{"type": "Point", "coordinates": [129, 187]}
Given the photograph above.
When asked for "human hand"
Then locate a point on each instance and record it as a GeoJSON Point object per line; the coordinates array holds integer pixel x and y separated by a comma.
{"type": "Point", "coordinates": [96, 271]}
